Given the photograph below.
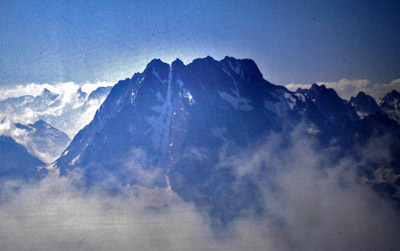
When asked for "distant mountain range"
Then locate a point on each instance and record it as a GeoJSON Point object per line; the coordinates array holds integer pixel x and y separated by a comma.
{"type": "Point", "coordinates": [40, 143]}
{"type": "Point", "coordinates": [67, 112]}
{"type": "Point", "coordinates": [171, 125]}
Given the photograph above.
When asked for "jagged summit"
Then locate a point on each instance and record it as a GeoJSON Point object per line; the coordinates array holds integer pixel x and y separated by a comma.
{"type": "Point", "coordinates": [364, 104]}
{"type": "Point", "coordinates": [390, 98]}
{"type": "Point", "coordinates": [47, 94]}
{"type": "Point", "coordinates": [177, 63]}
{"type": "Point", "coordinates": [390, 104]}
{"type": "Point", "coordinates": [394, 93]}
{"type": "Point", "coordinates": [182, 105]}
{"type": "Point", "coordinates": [40, 123]}
{"type": "Point", "coordinates": [46, 91]}
{"type": "Point", "coordinates": [155, 63]}
{"type": "Point", "coordinates": [329, 103]}
{"type": "Point", "coordinates": [179, 117]}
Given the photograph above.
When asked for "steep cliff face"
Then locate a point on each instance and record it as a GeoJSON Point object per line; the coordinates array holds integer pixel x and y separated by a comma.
{"type": "Point", "coordinates": [390, 104]}
{"type": "Point", "coordinates": [364, 104]}
{"type": "Point", "coordinates": [168, 108]}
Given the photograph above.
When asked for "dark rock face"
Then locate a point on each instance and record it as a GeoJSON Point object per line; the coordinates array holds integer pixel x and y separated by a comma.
{"type": "Point", "coordinates": [390, 104]}
{"type": "Point", "coordinates": [364, 104]}
{"type": "Point", "coordinates": [175, 120]}
{"type": "Point", "coordinates": [329, 103]}
{"type": "Point", "coordinates": [16, 162]}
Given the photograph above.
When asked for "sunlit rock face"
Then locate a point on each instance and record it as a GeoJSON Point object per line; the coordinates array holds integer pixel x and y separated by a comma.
{"type": "Point", "coordinates": [176, 125]}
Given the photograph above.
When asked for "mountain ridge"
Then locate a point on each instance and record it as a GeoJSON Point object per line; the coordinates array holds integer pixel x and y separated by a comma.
{"type": "Point", "coordinates": [172, 122]}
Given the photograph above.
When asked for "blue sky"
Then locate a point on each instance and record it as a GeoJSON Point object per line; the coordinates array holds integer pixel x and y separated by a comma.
{"type": "Point", "coordinates": [291, 41]}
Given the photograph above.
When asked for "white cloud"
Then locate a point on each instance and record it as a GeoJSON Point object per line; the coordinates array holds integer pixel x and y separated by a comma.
{"type": "Point", "coordinates": [54, 215]}
{"type": "Point", "coordinates": [69, 112]}
{"type": "Point", "coordinates": [348, 88]}
{"type": "Point", "coordinates": [310, 205]}
{"type": "Point", "coordinates": [90, 87]}
{"type": "Point", "coordinates": [316, 205]}
{"type": "Point", "coordinates": [29, 89]}
{"type": "Point", "coordinates": [34, 89]}
{"type": "Point", "coordinates": [23, 137]}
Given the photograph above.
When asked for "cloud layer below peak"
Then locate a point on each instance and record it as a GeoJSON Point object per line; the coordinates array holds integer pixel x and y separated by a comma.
{"type": "Point", "coordinates": [311, 205]}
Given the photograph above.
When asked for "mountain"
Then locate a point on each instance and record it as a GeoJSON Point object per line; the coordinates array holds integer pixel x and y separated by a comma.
{"type": "Point", "coordinates": [352, 132]}
{"type": "Point", "coordinates": [364, 105]}
{"type": "Point", "coordinates": [179, 117]}
{"type": "Point", "coordinates": [16, 162]}
{"type": "Point", "coordinates": [42, 140]}
{"type": "Point", "coordinates": [171, 124]}
{"type": "Point", "coordinates": [168, 107]}
{"type": "Point", "coordinates": [390, 103]}
{"type": "Point", "coordinates": [329, 103]}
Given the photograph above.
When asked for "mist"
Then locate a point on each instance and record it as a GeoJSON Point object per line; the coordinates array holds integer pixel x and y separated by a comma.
{"type": "Point", "coordinates": [310, 203]}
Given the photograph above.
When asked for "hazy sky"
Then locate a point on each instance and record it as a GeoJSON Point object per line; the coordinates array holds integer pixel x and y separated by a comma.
{"type": "Point", "coordinates": [291, 41]}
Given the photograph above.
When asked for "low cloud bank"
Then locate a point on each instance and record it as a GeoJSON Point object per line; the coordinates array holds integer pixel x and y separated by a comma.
{"type": "Point", "coordinates": [347, 88]}
{"type": "Point", "coordinates": [53, 215]}
{"type": "Point", "coordinates": [313, 204]}
{"type": "Point", "coordinates": [310, 205]}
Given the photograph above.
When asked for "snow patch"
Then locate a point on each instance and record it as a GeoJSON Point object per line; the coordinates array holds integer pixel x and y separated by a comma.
{"type": "Point", "coordinates": [291, 100]}
{"type": "Point", "coordinates": [301, 97]}
{"type": "Point", "coordinates": [155, 73]}
{"type": "Point", "coordinates": [186, 93]}
{"type": "Point", "coordinates": [237, 68]}
{"type": "Point", "coordinates": [236, 101]}
{"type": "Point", "coordinates": [74, 160]}
{"type": "Point", "coordinates": [189, 96]}
{"type": "Point", "coordinates": [281, 106]}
